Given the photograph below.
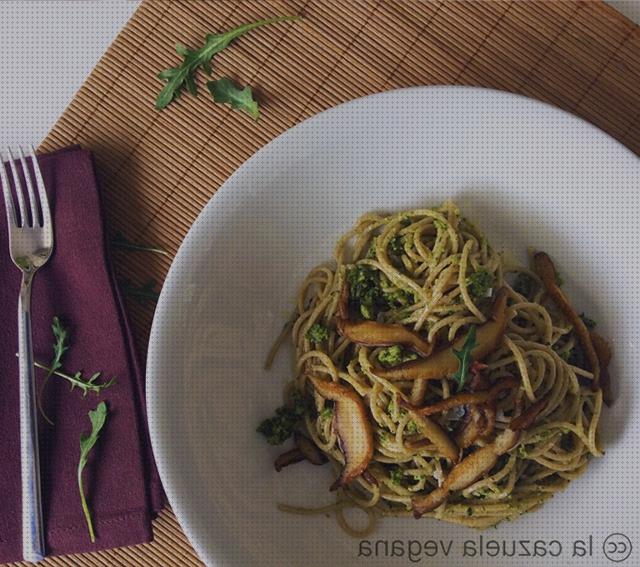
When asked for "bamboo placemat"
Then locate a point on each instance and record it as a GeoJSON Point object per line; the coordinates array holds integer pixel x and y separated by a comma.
{"type": "Point", "coordinates": [158, 169]}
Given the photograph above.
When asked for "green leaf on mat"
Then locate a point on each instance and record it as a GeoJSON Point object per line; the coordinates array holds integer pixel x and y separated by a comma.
{"type": "Point", "coordinates": [225, 91]}
{"type": "Point", "coordinates": [98, 418]}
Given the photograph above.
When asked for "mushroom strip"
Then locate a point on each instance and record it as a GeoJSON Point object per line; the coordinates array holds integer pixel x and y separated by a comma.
{"type": "Point", "coordinates": [432, 431]}
{"type": "Point", "coordinates": [547, 272]}
{"type": "Point", "coordinates": [372, 333]}
{"type": "Point", "coordinates": [603, 350]}
{"type": "Point", "coordinates": [352, 427]}
{"type": "Point", "coordinates": [294, 455]}
{"type": "Point", "coordinates": [309, 449]}
{"type": "Point", "coordinates": [467, 471]}
{"type": "Point", "coordinates": [444, 362]}
{"type": "Point", "coordinates": [476, 424]}
{"type": "Point", "coordinates": [527, 417]}
{"type": "Point", "coordinates": [456, 400]}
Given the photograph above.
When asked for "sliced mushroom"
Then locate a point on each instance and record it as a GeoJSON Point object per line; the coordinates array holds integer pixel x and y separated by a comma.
{"type": "Point", "coordinates": [507, 383]}
{"type": "Point", "coordinates": [479, 423]}
{"type": "Point", "coordinates": [373, 333]}
{"type": "Point", "coordinates": [343, 301]}
{"type": "Point", "coordinates": [472, 427]}
{"type": "Point", "coordinates": [352, 427]}
{"type": "Point", "coordinates": [438, 436]}
{"type": "Point", "coordinates": [293, 456]}
{"type": "Point", "coordinates": [444, 363]}
{"type": "Point", "coordinates": [526, 419]}
{"type": "Point", "coordinates": [603, 350]}
{"type": "Point", "coordinates": [466, 472]}
{"type": "Point", "coordinates": [546, 270]}
{"type": "Point", "coordinates": [309, 449]}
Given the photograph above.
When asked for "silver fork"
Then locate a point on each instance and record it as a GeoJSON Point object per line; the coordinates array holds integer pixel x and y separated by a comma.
{"type": "Point", "coordinates": [31, 243]}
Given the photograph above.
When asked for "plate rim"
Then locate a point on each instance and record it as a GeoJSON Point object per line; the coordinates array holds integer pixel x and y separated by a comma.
{"type": "Point", "coordinates": [164, 299]}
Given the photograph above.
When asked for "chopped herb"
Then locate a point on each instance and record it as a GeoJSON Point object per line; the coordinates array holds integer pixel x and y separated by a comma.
{"type": "Point", "coordinates": [317, 333]}
{"type": "Point", "coordinates": [588, 321]}
{"type": "Point", "coordinates": [394, 355]}
{"type": "Point", "coordinates": [225, 91]}
{"type": "Point", "coordinates": [365, 291]}
{"type": "Point", "coordinates": [480, 283]}
{"type": "Point", "coordinates": [392, 409]}
{"type": "Point", "coordinates": [524, 284]}
{"type": "Point", "coordinates": [396, 245]}
{"type": "Point", "coordinates": [279, 428]}
{"type": "Point", "coordinates": [371, 253]}
{"type": "Point", "coordinates": [522, 452]}
{"type": "Point", "coordinates": [397, 298]}
{"type": "Point", "coordinates": [140, 293]}
{"type": "Point", "coordinates": [464, 357]}
{"type": "Point", "coordinates": [183, 76]}
{"type": "Point", "coordinates": [396, 475]}
{"type": "Point", "coordinates": [405, 222]}
{"type": "Point", "coordinates": [440, 225]}
{"type": "Point", "coordinates": [98, 418]}
{"type": "Point", "coordinates": [120, 241]}
{"type": "Point", "coordinates": [326, 413]}
{"type": "Point", "coordinates": [411, 427]}
{"type": "Point", "coordinates": [483, 492]}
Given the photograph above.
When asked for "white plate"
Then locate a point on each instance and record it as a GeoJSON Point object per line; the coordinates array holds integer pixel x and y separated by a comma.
{"type": "Point", "coordinates": [528, 173]}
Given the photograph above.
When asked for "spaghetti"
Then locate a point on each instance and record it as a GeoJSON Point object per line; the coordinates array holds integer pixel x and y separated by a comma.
{"type": "Point", "coordinates": [431, 275]}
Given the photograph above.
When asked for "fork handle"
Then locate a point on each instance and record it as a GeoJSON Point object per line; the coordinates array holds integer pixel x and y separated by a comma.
{"type": "Point", "coordinates": [33, 546]}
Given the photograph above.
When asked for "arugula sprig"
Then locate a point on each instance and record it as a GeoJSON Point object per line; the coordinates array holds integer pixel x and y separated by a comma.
{"type": "Point", "coordinates": [464, 357]}
{"type": "Point", "coordinates": [121, 241]}
{"type": "Point", "coordinates": [140, 293]}
{"type": "Point", "coordinates": [183, 76]}
{"type": "Point", "coordinates": [225, 91]}
{"type": "Point", "coordinates": [98, 418]}
{"type": "Point", "coordinates": [60, 346]}
{"type": "Point", "coordinates": [77, 380]}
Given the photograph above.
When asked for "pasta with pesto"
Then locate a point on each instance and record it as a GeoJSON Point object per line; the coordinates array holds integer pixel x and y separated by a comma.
{"type": "Point", "coordinates": [439, 380]}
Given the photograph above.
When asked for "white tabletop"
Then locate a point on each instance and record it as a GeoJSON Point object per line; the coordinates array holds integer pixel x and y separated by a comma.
{"type": "Point", "coordinates": [48, 47]}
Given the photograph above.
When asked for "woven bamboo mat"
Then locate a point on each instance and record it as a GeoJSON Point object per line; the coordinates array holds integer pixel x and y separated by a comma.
{"type": "Point", "coordinates": [158, 169]}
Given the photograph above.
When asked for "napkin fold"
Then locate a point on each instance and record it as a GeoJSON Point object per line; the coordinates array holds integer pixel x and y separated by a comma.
{"type": "Point", "coordinates": [78, 285]}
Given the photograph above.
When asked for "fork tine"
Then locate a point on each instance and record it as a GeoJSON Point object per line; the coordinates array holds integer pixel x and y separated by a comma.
{"type": "Point", "coordinates": [19, 193]}
{"type": "Point", "coordinates": [8, 199]}
{"type": "Point", "coordinates": [35, 215]}
{"type": "Point", "coordinates": [42, 190]}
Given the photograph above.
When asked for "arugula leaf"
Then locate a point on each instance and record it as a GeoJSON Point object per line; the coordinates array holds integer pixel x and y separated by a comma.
{"type": "Point", "coordinates": [225, 91]}
{"type": "Point", "coordinates": [60, 346]}
{"type": "Point", "coordinates": [98, 418]}
{"type": "Point", "coordinates": [183, 76]}
{"type": "Point", "coordinates": [77, 380]}
{"type": "Point", "coordinates": [464, 357]}
{"type": "Point", "coordinates": [121, 241]}
{"type": "Point", "coordinates": [140, 293]}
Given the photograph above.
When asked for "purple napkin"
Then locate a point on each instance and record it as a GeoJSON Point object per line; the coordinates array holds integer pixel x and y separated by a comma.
{"type": "Point", "coordinates": [77, 284]}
